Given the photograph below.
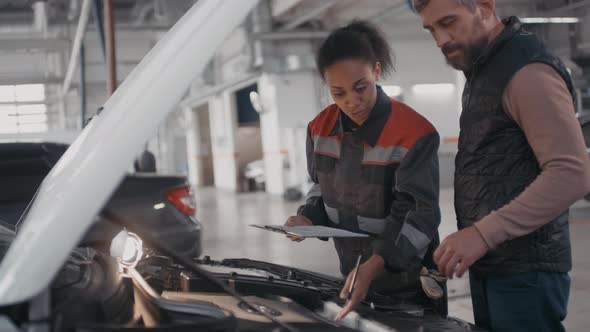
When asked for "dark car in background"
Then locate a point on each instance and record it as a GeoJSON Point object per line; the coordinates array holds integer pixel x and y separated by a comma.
{"type": "Point", "coordinates": [146, 201]}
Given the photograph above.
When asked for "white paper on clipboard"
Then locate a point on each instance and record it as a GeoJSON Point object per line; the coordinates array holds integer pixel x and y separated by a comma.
{"type": "Point", "coordinates": [311, 231]}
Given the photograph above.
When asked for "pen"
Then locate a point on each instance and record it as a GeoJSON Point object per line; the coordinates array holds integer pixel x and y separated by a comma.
{"type": "Point", "coordinates": [356, 272]}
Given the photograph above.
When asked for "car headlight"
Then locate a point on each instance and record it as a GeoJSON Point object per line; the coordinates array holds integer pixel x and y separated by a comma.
{"type": "Point", "coordinates": [127, 247]}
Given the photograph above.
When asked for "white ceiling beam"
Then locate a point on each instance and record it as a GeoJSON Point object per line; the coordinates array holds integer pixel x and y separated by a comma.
{"type": "Point", "coordinates": [284, 35]}
{"type": "Point", "coordinates": [78, 39]}
{"type": "Point", "coordinates": [309, 15]}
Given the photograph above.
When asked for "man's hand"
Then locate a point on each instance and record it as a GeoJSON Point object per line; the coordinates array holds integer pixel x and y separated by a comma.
{"type": "Point", "coordinates": [459, 251]}
{"type": "Point", "coordinates": [297, 221]}
{"type": "Point", "coordinates": [367, 272]}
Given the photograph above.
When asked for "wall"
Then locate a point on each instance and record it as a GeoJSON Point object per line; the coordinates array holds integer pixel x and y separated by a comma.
{"type": "Point", "coordinates": [223, 128]}
{"type": "Point", "coordinates": [231, 63]}
{"type": "Point", "coordinates": [170, 144]}
{"type": "Point", "coordinates": [248, 149]}
{"type": "Point", "coordinates": [131, 47]}
{"type": "Point", "coordinates": [419, 61]}
{"type": "Point", "coordinates": [234, 56]}
{"type": "Point", "coordinates": [22, 65]}
{"type": "Point", "coordinates": [292, 94]}
{"type": "Point", "coordinates": [271, 134]}
{"type": "Point", "coordinates": [291, 101]}
{"type": "Point", "coordinates": [193, 144]}
{"type": "Point", "coordinates": [198, 137]}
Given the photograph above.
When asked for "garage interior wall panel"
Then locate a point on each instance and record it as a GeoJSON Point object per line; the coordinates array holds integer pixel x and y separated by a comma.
{"type": "Point", "coordinates": [292, 101]}
{"type": "Point", "coordinates": [223, 128]}
{"type": "Point", "coordinates": [193, 146]}
{"type": "Point", "coordinates": [420, 62]}
{"type": "Point", "coordinates": [271, 134]}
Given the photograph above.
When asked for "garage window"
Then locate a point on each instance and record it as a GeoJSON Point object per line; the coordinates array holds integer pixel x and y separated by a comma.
{"type": "Point", "coordinates": [22, 109]}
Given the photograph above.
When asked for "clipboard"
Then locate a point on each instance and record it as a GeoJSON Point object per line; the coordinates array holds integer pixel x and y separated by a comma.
{"type": "Point", "coordinates": [311, 231]}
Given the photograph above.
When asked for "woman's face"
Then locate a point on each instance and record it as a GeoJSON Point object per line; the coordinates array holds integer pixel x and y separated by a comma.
{"type": "Point", "coordinates": [353, 86]}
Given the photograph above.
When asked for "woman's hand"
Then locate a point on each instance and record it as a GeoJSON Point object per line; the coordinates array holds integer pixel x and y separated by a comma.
{"type": "Point", "coordinates": [297, 221]}
{"type": "Point", "coordinates": [368, 271]}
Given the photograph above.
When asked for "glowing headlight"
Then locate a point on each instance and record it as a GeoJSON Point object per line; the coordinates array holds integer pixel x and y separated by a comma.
{"type": "Point", "coordinates": [127, 247]}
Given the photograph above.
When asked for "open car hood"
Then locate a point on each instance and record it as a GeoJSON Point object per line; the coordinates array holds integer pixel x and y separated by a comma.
{"type": "Point", "coordinates": [81, 182]}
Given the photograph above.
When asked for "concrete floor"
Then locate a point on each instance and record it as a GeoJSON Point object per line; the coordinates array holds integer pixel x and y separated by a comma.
{"type": "Point", "coordinates": [226, 216]}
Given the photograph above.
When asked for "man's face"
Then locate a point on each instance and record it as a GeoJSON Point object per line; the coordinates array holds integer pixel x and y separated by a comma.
{"type": "Point", "coordinates": [458, 31]}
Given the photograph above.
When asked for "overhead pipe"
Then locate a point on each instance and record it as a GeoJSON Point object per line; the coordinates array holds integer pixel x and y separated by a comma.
{"type": "Point", "coordinates": [143, 12]}
{"type": "Point", "coordinates": [109, 31]}
{"type": "Point", "coordinates": [73, 10]}
{"type": "Point", "coordinates": [83, 103]}
{"type": "Point", "coordinates": [283, 35]}
{"type": "Point", "coordinates": [74, 54]}
{"type": "Point", "coordinates": [40, 26]}
{"type": "Point", "coordinates": [73, 63]}
{"type": "Point", "coordinates": [260, 22]}
{"type": "Point", "coordinates": [97, 11]}
{"type": "Point", "coordinates": [40, 17]}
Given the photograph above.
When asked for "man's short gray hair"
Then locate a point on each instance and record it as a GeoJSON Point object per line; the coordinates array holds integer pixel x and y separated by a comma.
{"type": "Point", "coordinates": [419, 5]}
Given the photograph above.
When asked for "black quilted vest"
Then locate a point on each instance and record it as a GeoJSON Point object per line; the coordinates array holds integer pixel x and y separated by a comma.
{"type": "Point", "coordinates": [495, 163]}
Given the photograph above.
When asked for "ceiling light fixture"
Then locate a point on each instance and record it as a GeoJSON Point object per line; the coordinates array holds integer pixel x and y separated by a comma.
{"type": "Point", "coordinates": [545, 20]}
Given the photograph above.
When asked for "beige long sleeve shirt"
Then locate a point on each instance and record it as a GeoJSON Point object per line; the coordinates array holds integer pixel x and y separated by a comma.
{"type": "Point", "coordinates": [538, 100]}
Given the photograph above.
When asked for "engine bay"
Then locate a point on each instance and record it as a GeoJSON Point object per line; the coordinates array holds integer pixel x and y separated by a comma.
{"type": "Point", "coordinates": [97, 292]}
{"type": "Point", "coordinates": [168, 295]}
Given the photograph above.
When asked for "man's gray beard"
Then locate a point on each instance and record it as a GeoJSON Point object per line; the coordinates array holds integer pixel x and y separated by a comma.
{"type": "Point", "coordinates": [470, 55]}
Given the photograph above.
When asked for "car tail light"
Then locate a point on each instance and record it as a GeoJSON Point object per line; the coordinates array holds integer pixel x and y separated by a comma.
{"type": "Point", "coordinates": [183, 199]}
